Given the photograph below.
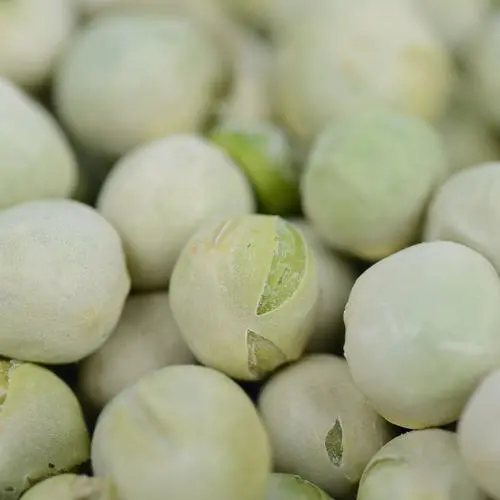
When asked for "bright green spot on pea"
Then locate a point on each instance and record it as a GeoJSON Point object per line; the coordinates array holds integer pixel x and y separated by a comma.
{"type": "Point", "coordinates": [334, 443]}
{"type": "Point", "coordinates": [287, 268]}
{"type": "Point", "coordinates": [263, 355]}
{"type": "Point", "coordinates": [265, 163]}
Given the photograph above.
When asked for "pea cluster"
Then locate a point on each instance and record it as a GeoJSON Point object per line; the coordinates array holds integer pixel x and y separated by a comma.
{"type": "Point", "coordinates": [249, 250]}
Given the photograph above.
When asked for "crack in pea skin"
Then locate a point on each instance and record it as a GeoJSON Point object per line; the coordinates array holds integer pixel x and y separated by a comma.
{"type": "Point", "coordinates": [263, 355]}
{"type": "Point", "coordinates": [217, 237]}
{"type": "Point", "coordinates": [222, 230]}
{"type": "Point", "coordinates": [287, 268]}
{"type": "Point", "coordinates": [308, 490]}
{"type": "Point", "coordinates": [334, 443]}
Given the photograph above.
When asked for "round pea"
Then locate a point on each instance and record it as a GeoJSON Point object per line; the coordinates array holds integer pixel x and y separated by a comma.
{"type": "Point", "coordinates": [320, 425]}
{"type": "Point", "coordinates": [64, 281]}
{"type": "Point", "coordinates": [183, 432]}
{"type": "Point", "coordinates": [422, 330]}
{"type": "Point", "coordinates": [466, 210]}
{"type": "Point", "coordinates": [177, 183]}
{"type": "Point", "coordinates": [33, 36]}
{"type": "Point", "coordinates": [368, 181]}
{"type": "Point", "coordinates": [36, 160]}
{"type": "Point", "coordinates": [419, 464]}
{"type": "Point", "coordinates": [244, 293]}
{"type": "Point", "coordinates": [335, 59]}
{"type": "Point", "coordinates": [42, 427]}
{"type": "Point", "coordinates": [132, 77]}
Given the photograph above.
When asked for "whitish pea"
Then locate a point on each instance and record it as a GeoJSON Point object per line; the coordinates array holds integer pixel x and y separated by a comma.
{"type": "Point", "coordinates": [466, 209]}
{"type": "Point", "coordinates": [339, 58]}
{"type": "Point", "coordinates": [176, 184]}
{"type": "Point", "coordinates": [111, 108]}
{"type": "Point", "coordinates": [63, 281]}
{"type": "Point", "coordinates": [36, 160]}
{"type": "Point", "coordinates": [320, 425]}
{"type": "Point", "coordinates": [34, 34]}
{"type": "Point", "coordinates": [422, 330]}
{"type": "Point", "coordinates": [183, 432]}
{"type": "Point", "coordinates": [419, 464]}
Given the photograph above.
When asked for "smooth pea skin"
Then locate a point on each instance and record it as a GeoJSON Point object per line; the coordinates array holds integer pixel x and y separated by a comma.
{"type": "Point", "coordinates": [42, 427]}
{"type": "Point", "coordinates": [36, 160]}
{"type": "Point", "coordinates": [422, 330]}
{"type": "Point", "coordinates": [292, 487]}
{"type": "Point", "coordinates": [422, 464]}
{"type": "Point", "coordinates": [183, 432]}
{"type": "Point", "coordinates": [63, 281]}
{"type": "Point", "coordinates": [33, 34]}
{"type": "Point", "coordinates": [335, 62]}
{"type": "Point", "coordinates": [466, 209]}
{"type": "Point", "coordinates": [244, 294]}
{"type": "Point", "coordinates": [336, 279]}
{"type": "Point", "coordinates": [479, 435]}
{"type": "Point", "coordinates": [72, 487]}
{"type": "Point", "coordinates": [176, 183]}
{"type": "Point", "coordinates": [132, 77]}
{"type": "Point", "coordinates": [321, 427]}
{"type": "Point", "coordinates": [368, 181]}
{"type": "Point", "coordinates": [145, 339]}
